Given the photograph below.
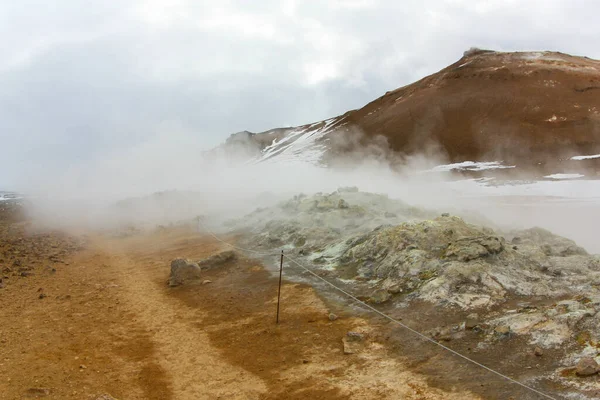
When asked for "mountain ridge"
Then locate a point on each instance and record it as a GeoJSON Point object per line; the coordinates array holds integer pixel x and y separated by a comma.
{"type": "Point", "coordinates": [525, 108]}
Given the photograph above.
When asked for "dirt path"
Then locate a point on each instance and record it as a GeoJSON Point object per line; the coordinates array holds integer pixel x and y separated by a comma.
{"type": "Point", "coordinates": [108, 323]}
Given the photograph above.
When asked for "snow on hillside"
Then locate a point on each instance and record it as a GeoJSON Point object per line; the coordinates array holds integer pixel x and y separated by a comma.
{"type": "Point", "coordinates": [304, 144]}
{"type": "Point", "coordinates": [6, 196]}
{"type": "Point", "coordinates": [471, 166]}
{"type": "Point", "coordinates": [580, 158]}
{"type": "Point", "coordinates": [564, 176]}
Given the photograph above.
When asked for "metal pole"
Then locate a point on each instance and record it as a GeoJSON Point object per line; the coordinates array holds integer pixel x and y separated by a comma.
{"type": "Point", "coordinates": [279, 290]}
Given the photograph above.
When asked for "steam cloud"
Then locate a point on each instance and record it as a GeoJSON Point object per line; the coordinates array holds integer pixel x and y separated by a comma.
{"type": "Point", "coordinates": [121, 189]}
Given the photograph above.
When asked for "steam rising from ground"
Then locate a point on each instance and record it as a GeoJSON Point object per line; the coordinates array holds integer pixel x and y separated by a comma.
{"type": "Point", "coordinates": [120, 189]}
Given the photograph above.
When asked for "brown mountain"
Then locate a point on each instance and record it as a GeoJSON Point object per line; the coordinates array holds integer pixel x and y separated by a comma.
{"type": "Point", "coordinates": [524, 108]}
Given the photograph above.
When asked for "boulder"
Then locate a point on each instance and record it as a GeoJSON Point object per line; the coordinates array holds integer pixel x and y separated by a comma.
{"type": "Point", "coordinates": [343, 204]}
{"type": "Point", "coordinates": [380, 296]}
{"type": "Point", "coordinates": [183, 271]}
{"type": "Point", "coordinates": [353, 342]}
{"type": "Point", "coordinates": [217, 260]}
{"type": "Point", "coordinates": [502, 330]}
{"type": "Point", "coordinates": [474, 248]}
{"type": "Point", "coordinates": [395, 289]}
{"type": "Point", "coordinates": [586, 367]}
{"type": "Point", "coordinates": [471, 323]}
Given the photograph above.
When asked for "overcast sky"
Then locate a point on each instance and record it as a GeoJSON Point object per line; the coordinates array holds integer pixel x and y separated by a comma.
{"type": "Point", "coordinates": [82, 80]}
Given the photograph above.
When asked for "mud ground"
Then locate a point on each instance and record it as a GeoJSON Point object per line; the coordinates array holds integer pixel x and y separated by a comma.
{"type": "Point", "coordinates": [88, 315]}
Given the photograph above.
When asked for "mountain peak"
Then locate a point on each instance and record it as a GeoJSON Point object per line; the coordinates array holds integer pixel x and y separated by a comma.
{"type": "Point", "coordinates": [527, 108]}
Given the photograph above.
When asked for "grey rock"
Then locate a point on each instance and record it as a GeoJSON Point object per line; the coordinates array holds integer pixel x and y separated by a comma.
{"type": "Point", "coordinates": [586, 367]}
{"type": "Point", "coordinates": [395, 289]}
{"type": "Point", "coordinates": [538, 351]}
{"type": "Point", "coordinates": [471, 323]}
{"type": "Point", "coordinates": [37, 392]}
{"type": "Point", "coordinates": [332, 317]}
{"type": "Point", "coordinates": [342, 204]}
{"type": "Point", "coordinates": [380, 296]}
{"type": "Point", "coordinates": [444, 334]}
{"type": "Point", "coordinates": [348, 189]}
{"type": "Point", "coordinates": [355, 336]}
{"type": "Point", "coordinates": [353, 342]}
{"type": "Point", "coordinates": [183, 271]}
{"type": "Point", "coordinates": [217, 260]}
{"type": "Point", "coordinates": [300, 241]}
{"type": "Point", "coordinates": [502, 330]}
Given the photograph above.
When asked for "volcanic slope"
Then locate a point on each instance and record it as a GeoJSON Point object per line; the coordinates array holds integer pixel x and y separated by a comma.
{"type": "Point", "coordinates": [524, 108]}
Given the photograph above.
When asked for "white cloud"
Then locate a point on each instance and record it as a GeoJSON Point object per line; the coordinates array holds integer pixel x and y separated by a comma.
{"type": "Point", "coordinates": [83, 78]}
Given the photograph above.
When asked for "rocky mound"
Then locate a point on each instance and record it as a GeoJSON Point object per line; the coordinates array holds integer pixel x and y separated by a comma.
{"type": "Point", "coordinates": [449, 262]}
{"type": "Point", "coordinates": [485, 289]}
{"type": "Point", "coordinates": [307, 223]}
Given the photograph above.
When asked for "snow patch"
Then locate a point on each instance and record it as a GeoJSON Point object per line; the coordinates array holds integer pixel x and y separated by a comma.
{"type": "Point", "coordinates": [471, 166]}
{"type": "Point", "coordinates": [564, 176]}
{"type": "Point", "coordinates": [579, 158]}
{"type": "Point", "coordinates": [6, 196]}
{"type": "Point", "coordinates": [584, 190]}
{"type": "Point", "coordinates": [300, 145]}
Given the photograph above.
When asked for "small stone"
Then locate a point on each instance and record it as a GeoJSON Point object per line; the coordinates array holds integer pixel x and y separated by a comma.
{"type": "Point", "coordinates": [26, 273]}
{"type": "Point", "coordinates": [538, 351]}
{"type": "Point", "coordinates": [183, 271]}
{"type": "Point", "coordinates": [38, 392]}
{"type": "Point", "coordinates": [470, 324]}
{"type": "Point", "coordinates": [502, 330]}
{"type": "Point", "coordinates": [353, 342]}
{"type": "Point", "coordinates": [395, 289]}
{"type": "Point", "coordinates": [42, 296]}
{"type": "Point", "coordinates": [206, 282]}
{"type": "Point", "coordinates": [355, 336]}
{"type": "Point", "coordinates": [82, 366]}
{"type": "Point", "coordinates": [105, 397]}
{"type": "Point", "coordinates": [445, 214]}
{"type": "Point", "coordinates": [217, 260]}
{"type": "Point", "coordinates": [380, 296]}
{"type": "Point", "coordinates": [390, 215]}
{"type": "Point", "coordinates": [444, 334]}
{"type": "Point", "coordinates": [342, 204]}
{"type": "Point", "coordinates": [332, 317]}
{"type": "Point", "coordinates": [305, 361]}
{"type": "Point", "coordinates": [587, 366]}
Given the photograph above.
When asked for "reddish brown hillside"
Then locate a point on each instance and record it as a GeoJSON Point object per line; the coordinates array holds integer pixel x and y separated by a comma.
{"type": "Point", "coordinates": [498, 106]}
{"type": "Point", "coordinates": [526, 109]}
